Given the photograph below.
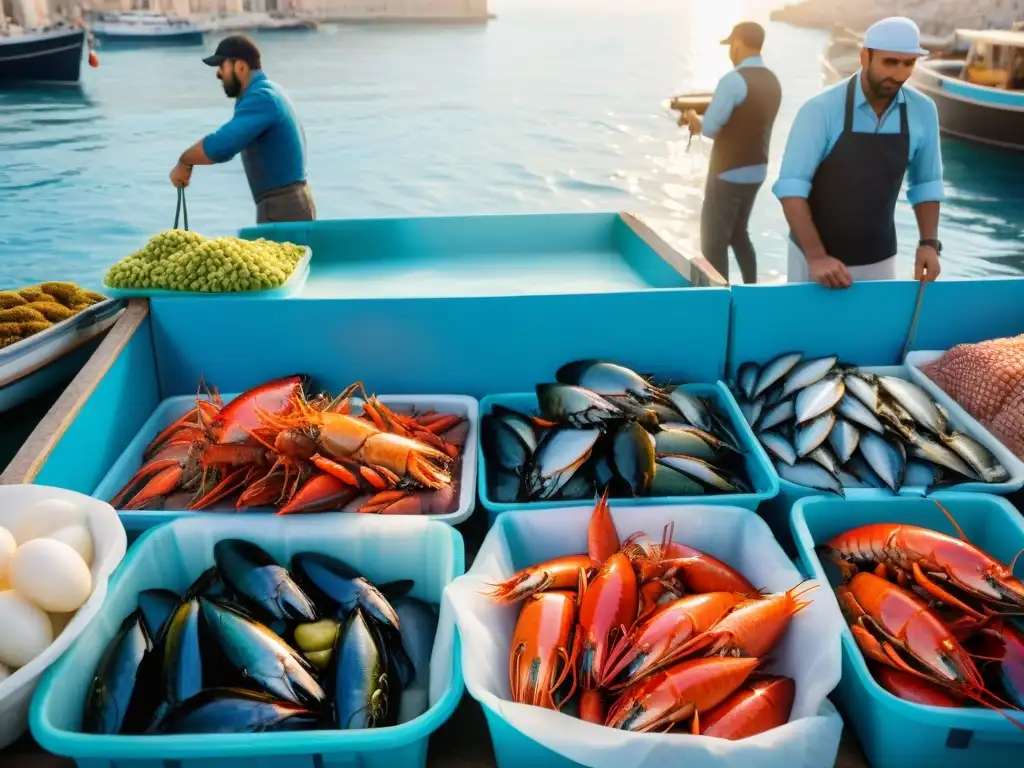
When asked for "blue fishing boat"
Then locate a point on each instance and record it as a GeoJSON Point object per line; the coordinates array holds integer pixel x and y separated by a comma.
{"type": "Point", "coordinates": [146, 28]}
{"type": "Point", "coordinates": [41, 57]}
{"type": "Point", "coordinates": [980, 98]}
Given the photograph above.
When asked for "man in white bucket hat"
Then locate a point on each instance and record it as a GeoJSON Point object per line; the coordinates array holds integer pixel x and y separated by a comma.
{"type": "Point", "coordinates": [847, 154]}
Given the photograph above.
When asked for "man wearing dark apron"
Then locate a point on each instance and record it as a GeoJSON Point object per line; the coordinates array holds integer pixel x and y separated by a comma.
{"type": "Point", "coordinates": [264, 129]}
{"type": "Point", "coordinates": [847, 154]}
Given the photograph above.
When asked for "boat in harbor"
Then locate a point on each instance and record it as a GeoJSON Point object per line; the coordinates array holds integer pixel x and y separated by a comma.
{"type": "Point", "coordinates": [980, 98]}
{"type": "Point", "coordinates": [262, 22]}
{"type": "Point", "coordinates": [146, 28]}
{"type": "Point", "coordinates": [49, 56]}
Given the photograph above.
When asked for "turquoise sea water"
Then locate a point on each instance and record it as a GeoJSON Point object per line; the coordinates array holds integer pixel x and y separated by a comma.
{"type": "Point", "coordinates": [548, 108]}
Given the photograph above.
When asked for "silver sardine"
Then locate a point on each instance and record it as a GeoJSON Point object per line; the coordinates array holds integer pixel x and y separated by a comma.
{"type": "Point", "coordinates": [778, 414]}
{"type": "Point", "coordinates": [864, 387]}
{"type": "Point", "coordinates": [692, 407]}
{"type": "Point", "coordinates": [687, 442]}
{"type": "Point", "coordinates": [844, 438]}
{"type": "Point", "coordinates": [778, 446]}
{"type": "Point", "coordinates": [752, 410]}
{"type": "Point", "coordinates": [980, 458]}
{"type": "Point", "coordinates": [807, 373]}
{"type": "Point", "coordinates": [810, 475]}
{"type": "Point", "coordinates": [824, 456]}
{"type": "Point", "coordinates": [917, 403]}
{"type": "Point", "coordinates": [849, 480]}
{"type": "Point", "coordinates": [853, 409]}
{"type": "Point", "coordinates": [699, 470]}
{"type": "Point", "coordinates": [812, 434]}
{"type": "Point", "coordinates": [885, 458]}
{"type": "Point", "coordinates": [924, 447]}
{"type": "Point", "coordinates": [821, 396]}
{"type": "Point", "coordinates": [774, 370]}
{"type": "Point", "coordinates": [746, 377]}
{"type": "Point", "coordinates": [863, 471]}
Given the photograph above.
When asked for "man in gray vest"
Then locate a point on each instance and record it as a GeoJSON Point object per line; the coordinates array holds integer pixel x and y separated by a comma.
{"type": "Point", "coordinates": [739, 118]}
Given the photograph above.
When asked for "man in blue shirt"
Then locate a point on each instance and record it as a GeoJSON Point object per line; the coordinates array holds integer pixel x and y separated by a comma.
{"type": "Point", "coordinates": [264, 129]}
{"type": "Point", "coordinates": [739, 118]}
{"type": "Point", "coordinates": [848, 152]}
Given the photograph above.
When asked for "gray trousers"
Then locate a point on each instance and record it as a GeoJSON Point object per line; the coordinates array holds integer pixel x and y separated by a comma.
{"type": "Point", "coordinates": [724, 219]}
{"type": "Point", "coordinates": [291, 203]}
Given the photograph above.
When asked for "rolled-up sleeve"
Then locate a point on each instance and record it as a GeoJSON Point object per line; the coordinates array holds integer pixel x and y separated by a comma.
{"type": "Point", "coordinates": [924, 174]}
{"type": "Point", "coordinates": [253, 115]}
{"type": "Point", "coordinates": [805, 149]}
{"type": "Point", "coordinates": [729, 94]}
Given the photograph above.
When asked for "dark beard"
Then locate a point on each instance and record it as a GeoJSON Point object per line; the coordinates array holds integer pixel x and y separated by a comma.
{"type": "Point", "coordinates": [232, 89]}
{"type": "Point", "coordinates": [879, 88]}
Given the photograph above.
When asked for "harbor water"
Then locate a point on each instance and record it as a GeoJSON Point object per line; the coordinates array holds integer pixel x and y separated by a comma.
{"type": "Point", "coordinates": [552, 107]}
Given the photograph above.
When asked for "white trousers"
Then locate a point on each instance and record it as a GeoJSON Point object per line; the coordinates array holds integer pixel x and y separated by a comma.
{"type": "Point", "coordinates": [796, 268]}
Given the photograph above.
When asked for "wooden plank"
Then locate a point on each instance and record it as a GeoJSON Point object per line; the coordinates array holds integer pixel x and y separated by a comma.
{"type": "Point", "coordinates": [33, 454]}
{"type": "Point", "coordinates": [694, 267]}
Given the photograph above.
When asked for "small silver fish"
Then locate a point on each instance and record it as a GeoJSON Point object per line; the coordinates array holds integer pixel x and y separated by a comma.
{"type": "Point", "coordinates": [778, 414]}
{"type": "Point", "coordinates": [821, 396]}
{"type": "Point", "coordinates": [863, 471]}
{"type": "Point", "coordinates": [864, 387]}
{"type": "Point", "coordinates": [693, 409]}
{"type": "Point", "coordinates": [849, 480]}
{"type": "Point", "coordinates": [920, 474]}
{"type": "Point", "coordinates": [807, 373]}
{"type": "Point", "coordinates": [886, 458]}
{"type": "Point", "coordinates": [812, 434]}
{"type": "Point", "coordinates": [824, 456]}
{"type": "Point", "coordinates": [699, 470]}
{"type": "Point", "coordinates": [980, 458]}
{"type": "Point", "coordinates": [923, 447]}
{"type": "Point", "coordinates": [810, 475]}
{"type": "Point", "coordinates": [852, 409]}
{"type": "Point", "coordinates": [774, 370]}
{"type": "Point", "coordinates": [844, 438]}
{"type": "Point", "coordinates": [778, 446]}
{"type": "Point", "coordinates": [687, 442]}
{"type": "Point", "coordinates": [917, 403]}
{"type": "Point", "coordinates": [752, 410]}
{"type": "Point", "coordinates": [746, 377]}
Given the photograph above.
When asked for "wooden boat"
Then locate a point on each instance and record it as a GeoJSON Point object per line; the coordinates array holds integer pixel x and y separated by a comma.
{"type": "Point", "coordinates": [980, 98]}
{"type": "Point", "coordinates": [46, 359]}
{"type": "Point", "coordinates": [52, 56]}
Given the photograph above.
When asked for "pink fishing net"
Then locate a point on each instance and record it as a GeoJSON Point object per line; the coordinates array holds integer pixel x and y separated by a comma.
{"type": "Point", "coordinates": [987, 380]}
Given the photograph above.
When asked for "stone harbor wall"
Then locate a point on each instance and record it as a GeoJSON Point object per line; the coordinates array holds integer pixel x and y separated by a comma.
{"type": "Point", "coordinates": [935, 17]}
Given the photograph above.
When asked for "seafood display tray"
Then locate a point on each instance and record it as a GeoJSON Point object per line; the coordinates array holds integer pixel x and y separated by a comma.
{"type": "Point", "coordinates": [109, 544]}
{"type": "Point", "coordinates": [896, 733]}
{"type": "Point", "coordinates": [524, 735]}
{"type": "Point", "coordinates": [291, 287]}
{"type": "Point", "coordinates": [971, 425]}
{"type": "Point", "coordinates": [173, 408]}
{"type": "Point", "coordinates": [462, 256]}
{"type": "Point", "coordinates": [790, 493]}
{"type": "Point", "coordinates": [762, 475]}
{"type": "Point", "coordinates": [172, 556]}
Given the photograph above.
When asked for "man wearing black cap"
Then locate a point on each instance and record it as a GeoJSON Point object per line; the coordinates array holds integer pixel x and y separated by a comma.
{"type": "Point", "coordinates": [264, 129]}
{"type": "Point", "coordinates": [739, 118]}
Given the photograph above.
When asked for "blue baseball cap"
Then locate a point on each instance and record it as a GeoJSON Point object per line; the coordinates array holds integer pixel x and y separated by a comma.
{"type": "Point", "coordinates": [897, 34]}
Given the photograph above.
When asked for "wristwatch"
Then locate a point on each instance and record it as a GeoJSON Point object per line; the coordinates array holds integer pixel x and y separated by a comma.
{"type": "Point", "coordinates": [933, 243]}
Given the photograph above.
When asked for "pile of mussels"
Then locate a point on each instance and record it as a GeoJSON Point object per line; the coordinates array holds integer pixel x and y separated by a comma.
{"type": "Point", "coordinates": [829, 426]}
{"type": "Point", "coordinates": [216, 660]}
{"type": "Point", "coordinates": [604, 427]}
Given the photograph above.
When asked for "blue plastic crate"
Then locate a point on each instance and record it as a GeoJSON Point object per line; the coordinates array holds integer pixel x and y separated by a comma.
{"type": "Point", "coordinates": [172, 556]}
{"type": "Point", "coordinates": [777, 511]}
{"type": "Point", "coordinates": [291, 287]}
{"type": "Point", "coordinates": [173, 408]}
{"type": "Point", "coordinates": [762, 475]}
{"type": "Point", "coordinates": [895, 733]}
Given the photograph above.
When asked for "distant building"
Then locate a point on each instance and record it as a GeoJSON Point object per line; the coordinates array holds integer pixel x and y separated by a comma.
{"type": "Point", "coordinates": [420, 10]}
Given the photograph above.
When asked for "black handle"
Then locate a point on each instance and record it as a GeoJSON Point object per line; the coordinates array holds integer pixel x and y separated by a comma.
{"type": "Point", "coordinates": [181, 210]}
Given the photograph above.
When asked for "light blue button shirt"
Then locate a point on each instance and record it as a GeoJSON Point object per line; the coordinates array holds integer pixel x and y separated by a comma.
{"type": "Point", "coordinates": [819, 123]}
{"type": "Point", "coordinates": [729, 94]}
